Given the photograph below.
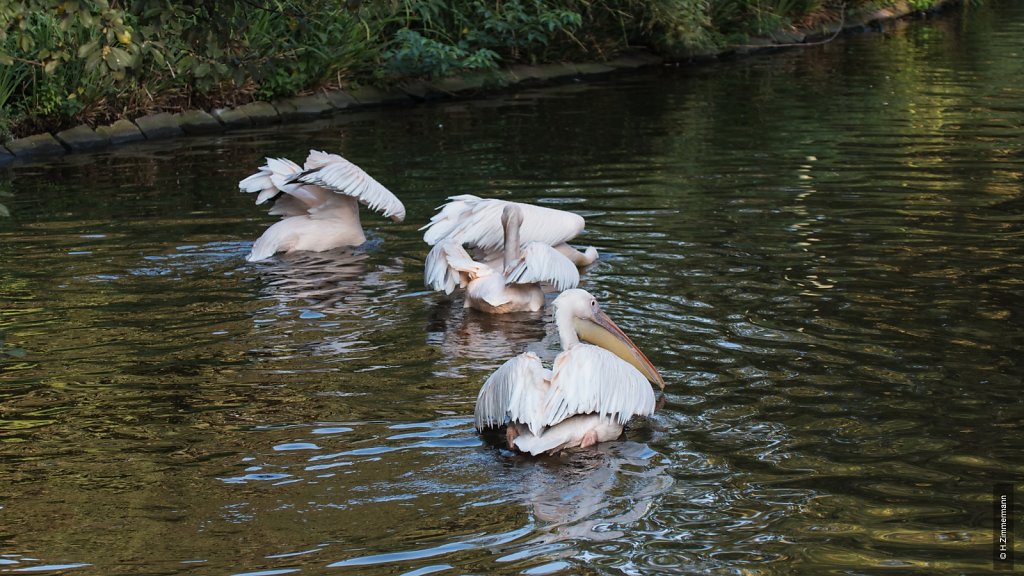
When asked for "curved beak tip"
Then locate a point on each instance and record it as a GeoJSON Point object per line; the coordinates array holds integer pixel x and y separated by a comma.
{"type": "Point", "coordinates": [623, 346]}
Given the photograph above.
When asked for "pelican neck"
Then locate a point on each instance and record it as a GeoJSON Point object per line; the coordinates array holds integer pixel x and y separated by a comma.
{"type": "Point", "coordinates": [566, 327]}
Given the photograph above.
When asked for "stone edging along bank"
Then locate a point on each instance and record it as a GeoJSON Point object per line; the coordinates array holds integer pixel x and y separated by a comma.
{"type": "Point", "coordinates": [165, 125]}
{"type": "Point", "coordinates": [299, 108]}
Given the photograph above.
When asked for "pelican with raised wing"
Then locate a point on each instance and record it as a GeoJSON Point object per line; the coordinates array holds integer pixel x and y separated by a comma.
{"type": "Point", "coordinates": [509, 283]}
{"type": "Point", "coordinates": [477, 223]}
{"type": "Point", "coordinates": [318, 203]}
{"type": "Point", "coordinates": [588, 396]}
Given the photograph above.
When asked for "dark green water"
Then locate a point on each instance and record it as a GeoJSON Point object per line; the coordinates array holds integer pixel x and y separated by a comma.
{"type": "Point", "coordinates": [823, 251]}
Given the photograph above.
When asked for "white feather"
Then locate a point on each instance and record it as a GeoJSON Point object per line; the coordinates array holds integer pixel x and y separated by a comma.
{"type": "Point", "coordinates": [541, 263]}
{"type": "Point", "coordinates": [338, 175]}
{"type": "Point", "coordinates": [492, 290]}
{"type": "Point", "coordinates": [568, 434]}
{"type": "Point", "coordinates": [514, 392]}
{"type": "Point", "coordinates": [269, 181]}
{"type": "Point", "coordinates": [589, 379]}
{"type": "Point", "coordinates": [448, 266]}
{"type": "Point", "coordinates": [476, 222]}
{"type": "Point", "coordinates": [273, 180]}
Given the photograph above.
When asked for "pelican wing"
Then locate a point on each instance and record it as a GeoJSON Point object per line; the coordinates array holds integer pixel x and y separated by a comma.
{"type": "Point", "coordinates": [273, 180]}
{"type": "Point", "coordinates": [266, 181]}
{"type": "Point", "coordinates": [514, 392]}
{"type": "Point", "coordinates": [542, 263]}
{"type": "Point", "coordinates": [477, 222]}
{"type": "Point", "coordinates": [338, 175]}
{"type": "Point", "coordinates": [449, 265]}
{"type": "Point", "coordinates": [588, 379]}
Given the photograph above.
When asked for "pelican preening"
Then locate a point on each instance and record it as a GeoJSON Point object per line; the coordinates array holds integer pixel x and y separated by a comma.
{"type": "Point", "coordinates": [477, 223]}
{"type": "Point", "coordinates": [589, 395]}
{"type": "Point", "coordinates": [318, 203]}
{"type": "Point", "coordinates": [518, 247]}
{"type": "Point", "coordinates": [509, 283]}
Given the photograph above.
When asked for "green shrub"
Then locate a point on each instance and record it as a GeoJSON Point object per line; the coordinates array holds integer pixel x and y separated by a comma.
{"type": "Point", "coordinates": [61, 60]}
{"type": "Point", "coordinates": [68, 61]}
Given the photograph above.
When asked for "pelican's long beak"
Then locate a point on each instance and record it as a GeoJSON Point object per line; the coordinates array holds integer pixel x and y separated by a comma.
{"type": "Point", "coordinates": [601, 331]}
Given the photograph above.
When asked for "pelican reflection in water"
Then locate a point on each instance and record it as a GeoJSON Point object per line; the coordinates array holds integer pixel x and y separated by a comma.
{"type": "Point", "coordinates": [584, 494]}
{"type": "Point", "coordinates": [334, 281]}
{"type": "Point", "coordinates": [469, 340]}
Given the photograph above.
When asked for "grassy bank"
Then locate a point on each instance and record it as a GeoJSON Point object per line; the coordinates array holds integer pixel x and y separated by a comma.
{"type": "Point", "coordinates": [68, 62]}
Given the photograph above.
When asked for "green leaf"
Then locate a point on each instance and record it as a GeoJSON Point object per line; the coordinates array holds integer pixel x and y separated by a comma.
{"type": "Point", "coordinates": [93, 60]}
{"type": "Point", "coordinates": [123, 57]}
{"type": "Point", "coordinates": [118, 59]}
{"type": "Point", "coordinates": [6, 60]}
{"type": "Point", "coordinates": [88, 48]}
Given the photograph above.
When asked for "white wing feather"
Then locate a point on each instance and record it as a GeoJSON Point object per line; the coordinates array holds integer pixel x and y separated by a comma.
{"type": "Point", "coordinates": [514, 392]}
{"type": "Point", "coordinates": [338, 175]}
{"type": "Point", "coordinates": [542, 263]}
{"type": "Point", "coordinates": [589, 379]}
{"type": "Point", "coordinates": [272, 180]}
{"type": "Point", "coordinates": [446, 264]}
{"type": "Point", "coordinates": [477, 222]}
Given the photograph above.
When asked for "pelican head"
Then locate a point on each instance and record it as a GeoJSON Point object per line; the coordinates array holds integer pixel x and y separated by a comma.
{"type": "Point", "coordinates": [577, 310]}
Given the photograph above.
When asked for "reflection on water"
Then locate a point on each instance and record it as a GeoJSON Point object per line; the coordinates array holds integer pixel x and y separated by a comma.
{"type": "Point", "coordinates": [593, 494]}
{"type": "Point", "coordinates": [338, 286]}
{"type": "Point", "coordinates": [819, 249]}
{"type": "Point", "coordinates": [317, 280]}
{"type": "Point", "coordinates": [469, 339]}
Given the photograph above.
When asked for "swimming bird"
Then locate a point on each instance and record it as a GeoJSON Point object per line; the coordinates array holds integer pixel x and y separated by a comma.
{"type": "Point", "coordinates": [587, 397]}
{"type": "Point", "coordinates": [510, 282]}
{"type": "Point", "coordinates": [318, 203]}
{"type": "Point", "coordinates": [476, 223]}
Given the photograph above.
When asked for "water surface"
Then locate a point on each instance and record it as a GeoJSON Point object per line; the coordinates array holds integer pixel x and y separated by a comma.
{"type": "Point", "coordinates": [822, 250]}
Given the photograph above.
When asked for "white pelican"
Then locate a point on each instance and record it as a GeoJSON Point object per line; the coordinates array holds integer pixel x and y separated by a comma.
{"type": "Point", "coordinates": [587, 397]}
{"type": "Point", "coordinates": [511, 283]}
{"type": "Point", "coordinates": [319, 203]}
{"type": "Point", "coordinates": [476, 222]}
